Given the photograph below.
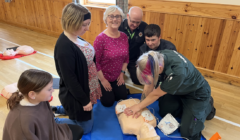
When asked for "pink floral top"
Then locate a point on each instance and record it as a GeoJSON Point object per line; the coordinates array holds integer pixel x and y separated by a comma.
{"type": "Point", "coordinates": [95, 89]}
{"type": "Point", "coordinates": [111, 53]}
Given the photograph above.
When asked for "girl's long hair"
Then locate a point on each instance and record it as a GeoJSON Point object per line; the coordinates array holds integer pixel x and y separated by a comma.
{"type": "Point", "coordinates": [30, 80]}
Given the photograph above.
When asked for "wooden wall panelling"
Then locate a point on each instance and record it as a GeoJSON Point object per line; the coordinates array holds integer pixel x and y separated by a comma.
{"type": "Point", "coordinates": [10, 12]}
{"type": "Point", "coordinates": [216, 46]}
{"type": "Point", "coordinates": [30, 13]}
{"type": "Point", "coordinates": [186, 35]}
{"type": "Point", "coordinates": [181, 33]}
{"type": "Point", "coordinates": [169, 31]}
{"type": "Point", "coordinates": [38, 15]}
{"type": "Point", "coordinates": [162, 20]}
{"type": "Point", "coordinates": [21, 18]}
{"type": "Point", "coordinates": [203, 42]}
{"type": "Point", "coordinates": [55, 8]}
{"type": "Point", "coordinates": [44, 10]}
{"type": "Point", "coordinates": [2, 11]}
{"type": "Point", "coordinates": [210, 42]}
{"type": "Point", "coordinates": [37, 9]}
{"type": "Point", "coordinates": [198, 42]}
{"type": "Point", "coordinates": [95, 13]}
{"type": "Point", "coordinates": [222, 60]}
{"type": "Point", "coordinates": [17, 12]}
{"type": "Point", "coordinates": [188, 8]}
{"type": "Point", "coordinates": [42, 14]}
{"type": "Point", "coordinates": [234, 66]}
{"type": "Point", "coordinates": [154, 18]}
{"type": "Point", "coordinates": [4, 8]}
{"type": "Point", "coordinates": [50, 14]}
{"type": "Point", "coordinates": [192, 31]}
{"type": "Point", "coordinates": [231, 44]}
{"type": "Point", "coordinates": [166, 25]}
{"type": "Point", "coordinates": [97, 25]}
{"type": "Point", "coordinates": [58, 11]}
{"type": "Point", "coordinates": [208, 39]}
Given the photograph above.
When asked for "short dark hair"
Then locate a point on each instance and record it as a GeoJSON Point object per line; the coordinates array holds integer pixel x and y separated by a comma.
{"type": "Point", "coordinates": [152, 30]}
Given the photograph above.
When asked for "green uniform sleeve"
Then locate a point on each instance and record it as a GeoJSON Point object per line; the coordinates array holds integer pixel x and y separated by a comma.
{"type": "Point", "coordinates": [172, 83]}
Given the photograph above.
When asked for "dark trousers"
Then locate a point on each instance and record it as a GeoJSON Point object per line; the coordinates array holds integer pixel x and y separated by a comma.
{"type": "Point", "coordinates": [77, 131]}
{"type": "Point", "coordinates": [117, 93]}
{"type": "Point", "coordinates": [133, 72]}
{"type": "Point", "coordinates": [190, 126]}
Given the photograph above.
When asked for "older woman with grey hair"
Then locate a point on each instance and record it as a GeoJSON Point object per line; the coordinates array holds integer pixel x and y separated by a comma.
{"type": "Point", "coordinates": [112, 57]}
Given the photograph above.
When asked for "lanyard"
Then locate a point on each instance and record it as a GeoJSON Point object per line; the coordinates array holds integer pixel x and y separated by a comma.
{"type": "Point", "coordinates": [131, 35]}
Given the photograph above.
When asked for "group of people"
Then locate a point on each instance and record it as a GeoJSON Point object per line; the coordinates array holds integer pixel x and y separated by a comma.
{"type": "Point", "coordinates": [88, 73]}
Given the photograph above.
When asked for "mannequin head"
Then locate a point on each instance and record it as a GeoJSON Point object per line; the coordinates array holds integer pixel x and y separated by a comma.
{"type": "Point", "coordinates": [147, 132]}
{"type": "Point", "coordinates": [10, 52]}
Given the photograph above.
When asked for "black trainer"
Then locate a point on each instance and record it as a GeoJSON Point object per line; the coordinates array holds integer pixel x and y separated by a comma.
{"type": "Point", "coordinates": [213, 111]}
{"type": "Point", "coordinates": [54, 108]}
{"type": "Point", "coordinates": [128, 91]}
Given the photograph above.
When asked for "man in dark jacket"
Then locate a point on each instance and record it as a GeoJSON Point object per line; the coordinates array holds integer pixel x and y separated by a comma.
{"type": "Point", "coordinates": [134, 27]}
{"type": "Point", "coordinates": [153, 40]}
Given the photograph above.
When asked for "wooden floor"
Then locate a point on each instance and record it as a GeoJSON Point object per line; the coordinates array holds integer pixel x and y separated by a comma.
{"type": "Point", "coordinates": [226, 97]}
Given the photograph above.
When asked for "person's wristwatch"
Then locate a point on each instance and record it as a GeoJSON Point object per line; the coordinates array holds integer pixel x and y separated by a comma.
{"type": "Point", "coordinates": [123, 71]}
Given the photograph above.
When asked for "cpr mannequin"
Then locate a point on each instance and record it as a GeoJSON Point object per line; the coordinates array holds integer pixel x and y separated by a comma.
{"type": "Point", "coordinates": [10, 89]}
{"type": "Point", "coordinates": [147, 132]}
{"type": "Point", "coordinates": [23, 50]}
{"type": "Point", "coordinates": [136, 126]}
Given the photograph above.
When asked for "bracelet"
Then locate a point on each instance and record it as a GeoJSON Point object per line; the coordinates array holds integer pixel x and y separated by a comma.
{"type": "Point", "coordinates": [123, 71]}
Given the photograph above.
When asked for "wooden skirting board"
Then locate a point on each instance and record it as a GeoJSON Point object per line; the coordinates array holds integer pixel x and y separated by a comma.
{"type": "Point", "coordinates": [218, 76]}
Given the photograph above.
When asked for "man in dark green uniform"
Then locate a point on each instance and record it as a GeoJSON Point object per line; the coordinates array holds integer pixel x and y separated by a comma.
{"type": "Point", "coordinates": [182, 89]}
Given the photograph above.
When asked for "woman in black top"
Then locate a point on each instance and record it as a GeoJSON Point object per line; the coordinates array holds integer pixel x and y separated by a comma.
{"type": "Point", "coordinates": [79, 87]}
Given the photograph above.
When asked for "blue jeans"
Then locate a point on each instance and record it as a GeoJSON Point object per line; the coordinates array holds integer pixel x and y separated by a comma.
{"type": "Point", "coordinates": [86, 125]}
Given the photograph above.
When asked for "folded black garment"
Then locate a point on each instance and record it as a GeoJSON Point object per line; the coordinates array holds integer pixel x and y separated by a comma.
{"type": "Point", "coordinates": [14, 48]}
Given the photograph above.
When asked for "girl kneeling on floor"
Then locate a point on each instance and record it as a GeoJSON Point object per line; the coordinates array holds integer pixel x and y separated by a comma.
{"type": "Point", "coordinates": [30, 116]}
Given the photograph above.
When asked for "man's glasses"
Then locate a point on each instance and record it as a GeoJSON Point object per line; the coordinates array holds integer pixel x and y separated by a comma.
{"type": "Point", "coordinates": [111, 17]}
{"type": "Point", "coordinates": [134, 22]}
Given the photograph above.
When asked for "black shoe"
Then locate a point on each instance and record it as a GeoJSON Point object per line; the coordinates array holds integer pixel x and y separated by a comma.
{"type": "Point", "coordinates": [54, 108]}
{"type": "Point", "coordinates": [128, 91]}
{"type": "Point", "coordinates": [213, 111]}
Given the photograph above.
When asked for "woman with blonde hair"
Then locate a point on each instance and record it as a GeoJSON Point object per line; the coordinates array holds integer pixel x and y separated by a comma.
{"type": "Point", "coordinates": [30, 116]}
{"type": "Point", "coordinates": [112, 57]}
{"type": "Point", "coordinates": [79, 86]}
{"type": "Point", "coordinates": [180, 88]}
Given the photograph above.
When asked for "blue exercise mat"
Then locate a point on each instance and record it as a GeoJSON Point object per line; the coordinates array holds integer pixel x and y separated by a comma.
{"type": "Point", "coordinates": [107, 127]}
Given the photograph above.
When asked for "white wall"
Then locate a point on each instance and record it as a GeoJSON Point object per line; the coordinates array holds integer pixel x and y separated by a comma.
{"type": "Point", "coordinates": [228, 2]}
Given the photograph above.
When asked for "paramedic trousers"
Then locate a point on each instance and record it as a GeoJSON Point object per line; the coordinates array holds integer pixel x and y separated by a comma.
{"type": "Point", "coordinates": [190, 125]}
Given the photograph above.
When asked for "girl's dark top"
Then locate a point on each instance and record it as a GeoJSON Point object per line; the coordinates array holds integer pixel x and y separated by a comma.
{"type": "Point", "coordinates": [34, 123]}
